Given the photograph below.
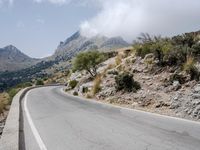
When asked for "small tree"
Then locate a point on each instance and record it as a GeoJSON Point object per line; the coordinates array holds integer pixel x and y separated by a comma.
{"type": "Point", "coordinates": [88, 61]}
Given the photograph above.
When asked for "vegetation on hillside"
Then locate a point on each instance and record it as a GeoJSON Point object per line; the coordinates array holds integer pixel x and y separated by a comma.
{"type": "Point", "coordinates": [73, 84]}
{"type": "Point", "coordinates": [88, 61]}
{"type": "Point", "coordinates": [126, 82]}
{"type": "Point", "coordinates": [7, 96]}
{"type": "Point", "coordinates": [96, 87]}
{"type": "Point", "coordinates": [182, 50]}
{"type": "Point", "coordinates": [4, 101]}
{"type": "Point", "coordinates": [11, 79]}
{"type": "Point", "coordinates": [39, 82]}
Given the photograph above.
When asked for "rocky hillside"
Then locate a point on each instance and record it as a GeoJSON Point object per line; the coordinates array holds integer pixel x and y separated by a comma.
{"type": "Point", "coordinates": [12, 59]}
{"type": "Point", "coordinates": [156, 75]}
{"type": "Point", "coordinates": [78, 43]}
{"type": "Point", "coordinates": [159, 92]}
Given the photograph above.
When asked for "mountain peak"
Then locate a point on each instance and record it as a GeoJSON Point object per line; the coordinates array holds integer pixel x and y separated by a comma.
{"type": "Point", "coordinates": [75, 36]}
{"type": "Point", "coordinates": [78, 43]}
{"type": "Point", "coordinates": [10, 47]}
{"type": "Point", "coordinates": [12, 59]}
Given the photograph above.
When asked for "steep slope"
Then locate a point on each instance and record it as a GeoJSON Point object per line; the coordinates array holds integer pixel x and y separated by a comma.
{"type": "Point", "coordinates": [12, 59]}
{"type": "Point", "coordinates": [77, 43]}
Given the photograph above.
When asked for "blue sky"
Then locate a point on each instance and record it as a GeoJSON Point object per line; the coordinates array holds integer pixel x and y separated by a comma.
{"type": "Point", "coordinates": [37, 26]}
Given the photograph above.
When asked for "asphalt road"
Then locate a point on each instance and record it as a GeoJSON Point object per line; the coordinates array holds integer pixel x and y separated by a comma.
{"type": "Point", "coordinates": [56, 121]}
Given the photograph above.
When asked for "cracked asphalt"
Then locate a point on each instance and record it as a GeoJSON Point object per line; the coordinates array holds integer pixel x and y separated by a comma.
{"type": "Point", "coordinates": [70, 123]}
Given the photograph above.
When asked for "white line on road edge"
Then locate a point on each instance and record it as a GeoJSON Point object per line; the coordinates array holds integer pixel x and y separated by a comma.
{"type": "Point", "coordinates": [33, 128]}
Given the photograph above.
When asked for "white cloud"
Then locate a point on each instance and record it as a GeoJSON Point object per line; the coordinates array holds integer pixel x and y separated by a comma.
{"type": "Point", "coordinates": [128, 18]}
{"type": "Point", "coordinates": [60, 2]}
{"type": "Point", "coordinates": [20, 24]}
{"type": "Point", "coordinates": [40, 21]}
{"type": "Point", "coordinates": [6, 2]}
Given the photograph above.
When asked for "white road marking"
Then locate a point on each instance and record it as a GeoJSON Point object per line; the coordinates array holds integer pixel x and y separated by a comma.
{"type": "Point", "coordinates": [33, 128]}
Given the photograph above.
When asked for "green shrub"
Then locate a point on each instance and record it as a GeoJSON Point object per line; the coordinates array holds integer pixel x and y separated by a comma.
{"type": "Point", "coordinates": [169, 51]}
{"type": "Point", "coordinates": [39, 82]}
{"type": "Point", "coordinates": [45, 78]}
{"type": "Point", "coordinates": [27, 84]}
{"type": "Point", "coordinates": [196, 49]}
{"type": "Point", "coordinates": [195, 74]}
{"type": "Point", "coordinates": [85, 89]}
{"type": "Point", "coordinates": [73, 84]}
{"type": "Point", "coordinates": [126, 82]}
{"type": "Point", "coordinates": [2, 105]}
{"type": "Point", "coordinates": [161, 48]}
{"type": "Point", "coordinates": [118, 60]}
{"type": "Point", "coordinates": [24, 85]}
{"type": "Point", "coordinates": [12, 92]}
{"type": "Point", "coordinates": [191, 69]}
{"type": "Point", "coordinates": [75, 93]}
{"type": "Point", "coordinates": [177, 77]}
{"type": "Point", "coordinates": [114, 72]}
{"type": "Point", "coordinates": [143, 49]}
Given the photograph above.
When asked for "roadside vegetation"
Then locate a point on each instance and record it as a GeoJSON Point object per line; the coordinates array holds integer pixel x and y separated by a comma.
{"type": "Point", "coordinates": [39, 82]}
{"type": "Point", "coordinates": [126, 82]}
{"type": "Point", "coordinates": [6, 97]}
{"type": "Point", "coordinates": [73, 84]}
{"type": "Point", "coordinates": [4, 101]}
{"type": "Point", "coordinates": [97, 85]}
{"type": "Point", "coordinates": [181, 51]}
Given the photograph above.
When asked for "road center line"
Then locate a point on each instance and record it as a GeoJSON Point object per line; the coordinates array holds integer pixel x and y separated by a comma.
{"type": "Point", "coordinates": [33, 128]}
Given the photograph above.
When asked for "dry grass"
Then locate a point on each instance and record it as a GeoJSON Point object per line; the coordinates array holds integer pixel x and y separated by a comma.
{"type": "Point", "coordinates": [191, 69]}
{"type": "Point", "coordinates": [96, 87]}
{"type": "Point", "coordinates": [190, 63]}
{"type": "Point", "coordinates": [118, 60]}
{"type": "Point", "coordinates": [110, 66]}
{"type": "Point", "coordinates": [4, 100]}
{"type": "Point", "coordinates": [89, 96]}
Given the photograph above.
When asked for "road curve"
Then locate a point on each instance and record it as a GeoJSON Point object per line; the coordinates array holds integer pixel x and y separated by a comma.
{"type": "Point", "coordinates": [56, 121]}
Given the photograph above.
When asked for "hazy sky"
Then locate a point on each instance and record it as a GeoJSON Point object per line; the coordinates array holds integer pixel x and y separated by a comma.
{"type": "Point", "coordinates": [37, 26]}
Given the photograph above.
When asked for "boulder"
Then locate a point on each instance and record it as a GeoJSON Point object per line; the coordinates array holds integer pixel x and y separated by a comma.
{"type": "Point", "coordinates": [176, 85]}
{"type": "Point", "coordinates": [197, 89]}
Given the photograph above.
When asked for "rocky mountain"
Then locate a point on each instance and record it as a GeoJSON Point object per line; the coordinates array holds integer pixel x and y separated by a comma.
{"type": "Point", "coordinates": [77, 43]}
{"type": "Point", "coordinates": [12, 59]}
{"type": "Point", "coordinates": [23, 68]}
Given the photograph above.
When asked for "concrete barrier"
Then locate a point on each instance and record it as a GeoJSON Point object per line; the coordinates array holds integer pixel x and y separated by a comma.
{"type": "Point", "coordinates": [12, 137]}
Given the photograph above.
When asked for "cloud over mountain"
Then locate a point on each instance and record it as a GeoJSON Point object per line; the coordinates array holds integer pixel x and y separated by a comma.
{"type": "Point", "coordinates": [54, 1]}
{"type": "Point", "coordinates": [128, 18]}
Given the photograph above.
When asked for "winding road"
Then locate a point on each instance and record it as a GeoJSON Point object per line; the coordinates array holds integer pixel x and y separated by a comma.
{"type": "Point", "coordinates": [54, 120]}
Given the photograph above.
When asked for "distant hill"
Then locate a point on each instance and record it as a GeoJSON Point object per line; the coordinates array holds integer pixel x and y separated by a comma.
{"type": "Point", "coordinates": [12, 59]}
